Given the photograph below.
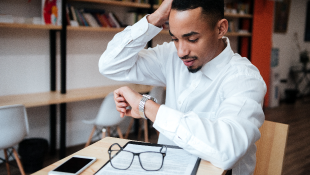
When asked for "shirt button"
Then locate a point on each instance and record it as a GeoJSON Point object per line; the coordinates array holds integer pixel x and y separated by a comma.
{"type": "Point", "coordinates": [179, 102]}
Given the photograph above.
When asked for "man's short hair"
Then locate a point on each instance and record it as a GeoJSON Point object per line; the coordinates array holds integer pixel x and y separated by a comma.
{"type": "Point", "coordinates": [213, 9]}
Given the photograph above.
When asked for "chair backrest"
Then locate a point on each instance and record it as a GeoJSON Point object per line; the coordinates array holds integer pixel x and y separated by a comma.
{"type": "Point", "coordinates": [13, 125]}
{"type": "Point", "coordinates": [159, 93]}
{"type": "Point", "coordinates": [107, 114]}
{"type": "Point", "coordinates": [271, 148]}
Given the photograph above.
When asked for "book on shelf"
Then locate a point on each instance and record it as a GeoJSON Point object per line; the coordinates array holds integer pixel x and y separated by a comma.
{"type": "Point", "coordinates": [91, 20]}
{"type": "Point", "coordinates": [51, 12]}
{"type": "Point", "coordinates": [104, 20]}
{"type": "Point", "coordinates": [92, 17]}
{"type": "Point", "coordinates": [113, 20]}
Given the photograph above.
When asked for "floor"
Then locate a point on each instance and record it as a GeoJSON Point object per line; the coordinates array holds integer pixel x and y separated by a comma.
{"type": "Point", "coordinates": [297, 155]}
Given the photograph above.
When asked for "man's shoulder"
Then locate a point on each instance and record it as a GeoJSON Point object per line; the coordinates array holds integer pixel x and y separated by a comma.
{"type": "Point", "coordinates": [242, 66]}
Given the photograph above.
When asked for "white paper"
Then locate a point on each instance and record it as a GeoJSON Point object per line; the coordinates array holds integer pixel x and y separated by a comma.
{"type": "Point", "coordinates": [177, 161]}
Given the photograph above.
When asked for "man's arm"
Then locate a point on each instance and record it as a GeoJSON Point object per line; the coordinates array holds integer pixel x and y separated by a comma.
{"type": "Point", "coordinates": [125, 58]}
{"type": "Point", "coordinates": [222, 137]}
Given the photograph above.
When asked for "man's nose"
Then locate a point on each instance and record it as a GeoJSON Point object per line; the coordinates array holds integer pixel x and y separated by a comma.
{"type": "Point", "coordinates": [182, 50]}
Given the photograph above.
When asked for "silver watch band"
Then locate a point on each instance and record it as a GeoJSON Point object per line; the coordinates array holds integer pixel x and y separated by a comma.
{"type": "Point", "coordinates": [145, 98]}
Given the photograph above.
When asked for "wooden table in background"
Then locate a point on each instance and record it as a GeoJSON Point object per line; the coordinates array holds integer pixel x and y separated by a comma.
{"type": "Point", "coordinates": [100, 151]}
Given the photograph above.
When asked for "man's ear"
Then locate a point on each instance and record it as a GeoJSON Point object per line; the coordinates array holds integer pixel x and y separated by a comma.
{"type": "Point", "coordinates": [222, 27]}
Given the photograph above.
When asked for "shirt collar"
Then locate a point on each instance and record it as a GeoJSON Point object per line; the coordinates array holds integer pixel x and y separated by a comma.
{"type": "Point", "coordinates": [213, 67]}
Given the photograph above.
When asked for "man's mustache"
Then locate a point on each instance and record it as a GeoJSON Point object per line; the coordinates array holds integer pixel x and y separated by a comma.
{"type": "Point", "coordinates": [189, 57]}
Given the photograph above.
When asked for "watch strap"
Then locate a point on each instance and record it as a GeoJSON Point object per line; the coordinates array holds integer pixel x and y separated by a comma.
{"type": "Point", "coordinates": [145, 98]}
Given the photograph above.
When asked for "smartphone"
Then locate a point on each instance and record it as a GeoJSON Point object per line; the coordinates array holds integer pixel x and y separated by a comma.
{"type": "Point", "coordinates": [73, 166]}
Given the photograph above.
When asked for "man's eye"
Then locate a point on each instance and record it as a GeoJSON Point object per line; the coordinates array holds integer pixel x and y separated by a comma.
{"type": "Point", "coordinates": [193, 41]}
{"type": "Point", "coordinates": [174, 39]}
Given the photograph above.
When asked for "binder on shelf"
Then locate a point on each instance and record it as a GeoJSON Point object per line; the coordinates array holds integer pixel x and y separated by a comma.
{"type": "Point", "coordinates": [51, 12]}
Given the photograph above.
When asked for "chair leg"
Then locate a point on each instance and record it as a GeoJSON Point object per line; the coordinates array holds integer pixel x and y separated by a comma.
{"type": "Point", "coordinates": [140, 129]}
{"type": "Point", "coordinates": [7, 161]}
{"type": "Point", "coordinates": [129, 128]}
{"type": "Point", "coordinates": [20, 166]}
{"type": "Point", "coordinates": [90, 137]}
{"type": "Point", "coordinates": [119, 132]}
{"type": "Point", "coordinates": [146, 132]}
{"type": "Point", "coordinates": [109, 133]}
{"type": "Point", "coordinates": [103, 133]}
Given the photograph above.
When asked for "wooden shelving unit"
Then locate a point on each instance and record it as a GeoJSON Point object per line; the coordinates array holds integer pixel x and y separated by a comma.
{"type": "Point", "coordinates": [49, 98]}
{"type": "Point", "coordinates": [29, 26]}
{"type": "Point", "coordinates": [116, 3]}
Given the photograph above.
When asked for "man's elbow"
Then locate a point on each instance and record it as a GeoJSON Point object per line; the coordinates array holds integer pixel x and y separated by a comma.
{"type": "Point", "coordinates": [103, 67]}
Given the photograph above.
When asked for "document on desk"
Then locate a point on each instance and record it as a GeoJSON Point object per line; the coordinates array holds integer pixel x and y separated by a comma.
{"type": "Point", "coordinates": [176, 162]}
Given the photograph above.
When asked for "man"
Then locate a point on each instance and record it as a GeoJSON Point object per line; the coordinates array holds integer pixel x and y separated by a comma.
{"type": "Point", "coordinates": [214, 97]}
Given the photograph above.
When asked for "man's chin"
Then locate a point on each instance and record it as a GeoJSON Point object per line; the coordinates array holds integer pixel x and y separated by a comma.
{"type": "Point", "coordinates": [194, 70]}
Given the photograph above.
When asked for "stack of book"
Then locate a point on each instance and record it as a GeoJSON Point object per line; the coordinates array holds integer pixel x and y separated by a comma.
{"type": "Point", "coordinates": [92, 18]}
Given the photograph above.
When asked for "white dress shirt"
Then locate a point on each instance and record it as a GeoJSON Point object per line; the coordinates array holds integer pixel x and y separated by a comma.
{"type": "Point", "coordinates": [214, 113]}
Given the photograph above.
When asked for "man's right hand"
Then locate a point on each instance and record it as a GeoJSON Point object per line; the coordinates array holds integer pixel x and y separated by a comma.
{"type": "Point", "coordinates": [161, 15]}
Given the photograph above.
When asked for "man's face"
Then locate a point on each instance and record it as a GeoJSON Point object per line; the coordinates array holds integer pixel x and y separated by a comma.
{"type": "Point", "coordinates": [195, 40]}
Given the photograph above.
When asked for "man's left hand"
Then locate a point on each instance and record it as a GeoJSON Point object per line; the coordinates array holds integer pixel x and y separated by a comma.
{"type": "Point", "coordinates": [125, 97]}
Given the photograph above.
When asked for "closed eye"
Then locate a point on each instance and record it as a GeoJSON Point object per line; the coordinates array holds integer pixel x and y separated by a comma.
{"type": "Point", "coordinates": [193, 41]}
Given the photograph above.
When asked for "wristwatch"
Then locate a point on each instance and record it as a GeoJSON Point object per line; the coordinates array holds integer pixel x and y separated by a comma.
{"type": "Point", "coordinates": [145, 98]}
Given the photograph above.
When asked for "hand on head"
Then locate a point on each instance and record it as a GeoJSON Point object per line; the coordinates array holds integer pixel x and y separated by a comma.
{"type": "Point", "coordinates": [161, 15]}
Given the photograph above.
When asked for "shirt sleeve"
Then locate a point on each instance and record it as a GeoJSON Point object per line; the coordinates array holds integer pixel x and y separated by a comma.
{"type": "Point", "coordinates": [223, 136]}
{"type": "Point", "coordinates": [125, 58]}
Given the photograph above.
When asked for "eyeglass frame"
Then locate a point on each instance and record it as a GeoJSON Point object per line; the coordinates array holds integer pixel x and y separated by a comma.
{"type": "Point", "coordinates": [137, 154]}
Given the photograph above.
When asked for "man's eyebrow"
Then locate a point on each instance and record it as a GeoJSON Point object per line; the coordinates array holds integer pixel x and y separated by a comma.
{"type": "Point", "coordinates": [186, 35]}
{"type": "Point", "coordinates": [189, 34]}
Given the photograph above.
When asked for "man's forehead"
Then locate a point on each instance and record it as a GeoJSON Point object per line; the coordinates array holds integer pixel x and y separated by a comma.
{"type": "Point", "coordinates": [186, 23]}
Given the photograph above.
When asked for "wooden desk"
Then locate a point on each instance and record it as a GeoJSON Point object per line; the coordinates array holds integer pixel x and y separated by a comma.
{"type": "Point", "coordinates": [100, 151]}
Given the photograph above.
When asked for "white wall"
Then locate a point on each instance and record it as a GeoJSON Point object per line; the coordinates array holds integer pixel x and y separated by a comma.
{"type": "Point", "coordinates": [288, 51]}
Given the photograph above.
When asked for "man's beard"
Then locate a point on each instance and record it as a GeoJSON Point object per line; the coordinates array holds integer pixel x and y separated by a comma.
{"type": "Point", "coordinates": [194, 70]}
{"type": "Point", "coordinates": [190, 69]}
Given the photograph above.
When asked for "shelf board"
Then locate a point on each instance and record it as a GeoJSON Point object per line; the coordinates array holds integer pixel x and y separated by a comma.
{"type": "Point", "coordinates": [227, 34]}
{"type": "Point", "coordinates": [94, 29]}
{"type": "Point", "coordinates": [238, 34]}
{"type": "Point", "coordinates": [29, 26]}
{"type": "Point", "coordinates": [48, 98]}
{"type": "Point", "coordinates": [118, 3]}
{"type": "Point", "coordinates": [231, 15]}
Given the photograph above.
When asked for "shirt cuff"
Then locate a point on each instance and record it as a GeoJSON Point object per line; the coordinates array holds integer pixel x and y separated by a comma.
{"type": "Point", "coordinates": [167, 119]}
{"type": "Point", "coordinates": [144, 31]}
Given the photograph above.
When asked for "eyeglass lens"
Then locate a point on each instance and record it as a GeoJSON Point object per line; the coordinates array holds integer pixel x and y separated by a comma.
{"type": "Point", "coordinates": [122, 160]}
{"type": "Point", "coordinates": [151, 161]}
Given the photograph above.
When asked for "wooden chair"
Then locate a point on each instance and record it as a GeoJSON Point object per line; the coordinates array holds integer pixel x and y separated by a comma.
{"type": "Point", "coordinates": [271, 148]}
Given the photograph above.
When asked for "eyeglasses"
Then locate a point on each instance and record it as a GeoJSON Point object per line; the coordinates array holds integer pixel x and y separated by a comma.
{"type": "Point", "coordinates": [150, 160]}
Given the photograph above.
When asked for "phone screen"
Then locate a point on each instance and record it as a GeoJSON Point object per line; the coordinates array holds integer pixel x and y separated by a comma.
{"type": "Point", "coordinates": [73, 165]}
